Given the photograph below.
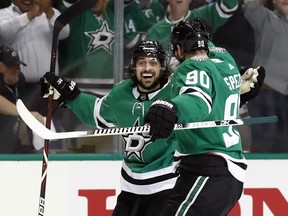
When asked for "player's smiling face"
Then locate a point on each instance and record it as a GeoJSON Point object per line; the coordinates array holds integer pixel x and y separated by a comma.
{"type": "Point", "coordinates": [148, 72]}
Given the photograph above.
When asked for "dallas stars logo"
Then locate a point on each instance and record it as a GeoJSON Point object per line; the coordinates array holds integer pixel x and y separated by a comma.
{"type": "Point", "coordinates": [101, 38]}
{"type": "Point", "coordinates": [136, 143]}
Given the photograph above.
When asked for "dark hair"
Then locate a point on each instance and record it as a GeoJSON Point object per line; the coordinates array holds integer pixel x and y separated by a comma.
{"type": "Point", "coordinates": [151, 49]}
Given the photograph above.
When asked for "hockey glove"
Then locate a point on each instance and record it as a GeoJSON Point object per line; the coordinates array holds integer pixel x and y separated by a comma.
{"type": "Point", "coordinates": [162, 115]}
{"type": "Point", "coordinates": [252, 81]}
{"type": "Point", "coordinates": [63, 90]}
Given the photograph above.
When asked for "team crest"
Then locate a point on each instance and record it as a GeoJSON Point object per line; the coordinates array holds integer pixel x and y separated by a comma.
{"type": "Point", "coordinates": [136, 144]}
{"type": "Point", "coordinates": [101, 39]}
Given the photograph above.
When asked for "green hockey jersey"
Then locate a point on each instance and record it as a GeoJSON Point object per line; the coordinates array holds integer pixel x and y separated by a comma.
{"type": "Point", "coordinates": [88, 51]}
{"type": "Point", "coordinates": [148, 167]}
{"type": "Point", "coordinates": [207, 89]}
{"type": "Point", "coordinates": [215, 15]}
{"type": "Point", "coordinates": [137, 20]}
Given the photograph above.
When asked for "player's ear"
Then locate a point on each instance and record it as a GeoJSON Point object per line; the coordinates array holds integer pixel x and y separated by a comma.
{"type": "Point", "coordinates": [179, 51]}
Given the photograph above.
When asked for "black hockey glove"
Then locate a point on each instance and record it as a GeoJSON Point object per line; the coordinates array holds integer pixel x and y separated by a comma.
{"type": "Point", "coordinates": [252, 81]}
{"type": "Point", "coordinates": [162, 115]}
{"type": "Point", "coordinates": [63, 89]}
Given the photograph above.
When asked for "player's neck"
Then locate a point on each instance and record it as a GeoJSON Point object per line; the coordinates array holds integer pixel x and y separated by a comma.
{"type": "Point", "coordinates": [197, 53]}
{"type": "Point", "coordinates": [147, 91]}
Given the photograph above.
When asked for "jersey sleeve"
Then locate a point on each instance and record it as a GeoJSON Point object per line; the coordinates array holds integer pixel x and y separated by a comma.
{"type": "Point", "coordinates": [104, 111]}
{"type": "Point", "coordinates": [217, 13]}
{"type": "Point", "coordinates": [63, 5]}
{"type": "Point", "coordinates": [96, 112]}
{"type": "Point", "coordinates": [83, 107]}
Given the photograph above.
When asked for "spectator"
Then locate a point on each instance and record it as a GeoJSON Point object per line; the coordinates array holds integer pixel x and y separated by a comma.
{"type": "Point", "coordinates": [193, 4]}
{"type": "Point", "coordinates": [27, 27]}
{"type": "Point", "coordinates": [212, 166]}
{"type": "Point", "coordinates": [271, 30]}
{"type": "Point", "coordinates": [215, 15]}
{"type": "Point", "coordinates": [233, 36]}
{"type": "Point", "coordinates": [88, 51]}
{"type": "Point", "coordinates": [12, 83]}
{"type": "Point", "coordinates": [139, 16]}
{"type": "Point", "coordinates": [222, 11]}
{"type": "Point", "coordinates": [267, 3]}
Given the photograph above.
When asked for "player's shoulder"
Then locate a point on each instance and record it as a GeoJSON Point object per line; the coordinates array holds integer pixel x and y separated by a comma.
{"type": "Point", "coordinates": [123, 85]}
{"type": "Point", "coordinates": [214, 50]}
{"type": "Point", "coordinates": [217, 50]}
{"type": "Point", "coordinates": [220, 53]}
{"type": "Point", "coordinates": [195, 64]}
{"type": "Point", "coordinates": [121, 88]}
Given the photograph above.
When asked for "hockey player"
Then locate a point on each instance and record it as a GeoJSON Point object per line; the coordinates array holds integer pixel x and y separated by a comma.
{"type": "Point", "coordinates": [148, 171]}
{"type": "Point", "coordinates": [212, 167]}
{"type": "Point", "coordinates": [149, 167]}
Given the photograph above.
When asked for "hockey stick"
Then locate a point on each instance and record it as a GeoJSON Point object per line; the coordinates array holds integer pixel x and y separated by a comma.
{"type": "Point", "coordinates": [62, 20]}
{"type": "Point", "coordinates": [45, 133]}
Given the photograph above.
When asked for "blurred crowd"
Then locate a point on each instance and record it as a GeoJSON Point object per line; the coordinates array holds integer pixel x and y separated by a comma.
{"type": "Point", "coordinates": [253, 31]}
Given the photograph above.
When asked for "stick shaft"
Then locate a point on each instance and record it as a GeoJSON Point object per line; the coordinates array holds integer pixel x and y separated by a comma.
{"type": "Point", "coordinates": [62, 20]}
{"type": "Point", "coordinates": [45, 133]}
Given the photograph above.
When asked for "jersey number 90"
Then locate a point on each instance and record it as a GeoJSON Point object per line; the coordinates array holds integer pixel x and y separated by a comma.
{"type": "Point", "coordinates": [231, 110]}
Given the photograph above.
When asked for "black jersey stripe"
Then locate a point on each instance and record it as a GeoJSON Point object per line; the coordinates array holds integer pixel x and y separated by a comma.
{"type": "Point", "coordinates": [147, 181]}
{"type": "Point", "coordinates": [191, 90]}
{"type": "Point", "coordinates": [224, 10]}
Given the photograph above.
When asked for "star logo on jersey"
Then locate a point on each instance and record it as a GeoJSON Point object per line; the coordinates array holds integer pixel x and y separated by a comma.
{"type": "Point", "coordinates": [101, 39]}
{"type": "Point", "coordinates": [136, 143]}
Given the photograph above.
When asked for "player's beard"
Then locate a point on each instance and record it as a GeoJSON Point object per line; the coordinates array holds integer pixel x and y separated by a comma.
{"type": "Point", "coordinates": [151, 87]}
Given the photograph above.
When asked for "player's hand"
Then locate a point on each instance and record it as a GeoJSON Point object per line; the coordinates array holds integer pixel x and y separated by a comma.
{"type": "Point", "coordinates": [252, 81]}
{"type": "Point", "coordinates": [62, 89]}
{"type": "Point", "coordinates": [162, 115]}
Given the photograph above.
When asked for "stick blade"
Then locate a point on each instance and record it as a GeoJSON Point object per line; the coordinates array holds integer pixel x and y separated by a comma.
{"type": "Point", "coordinates": [32, 122]}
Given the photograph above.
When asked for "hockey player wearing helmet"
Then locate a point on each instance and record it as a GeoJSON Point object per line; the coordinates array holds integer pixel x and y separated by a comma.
{"type": "Point", "coordinates": [149, 168]}
{"type": "Point", "coordinates": [204, 88]}
{"type": "Point", "coordinates": [148, 68]}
